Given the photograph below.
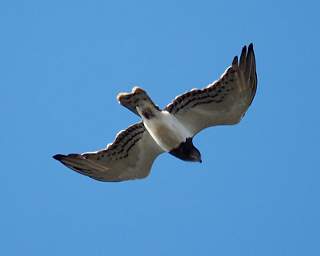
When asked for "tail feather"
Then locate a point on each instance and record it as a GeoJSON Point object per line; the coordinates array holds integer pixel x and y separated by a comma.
{"type": "Point", "coordinates": [131, 100]}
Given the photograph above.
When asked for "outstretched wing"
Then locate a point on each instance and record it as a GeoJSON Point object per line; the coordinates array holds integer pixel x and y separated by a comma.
{"type": "Point", "coordinates": [223, 102]}
{"type": "Point", "coordinates": [130, 156]}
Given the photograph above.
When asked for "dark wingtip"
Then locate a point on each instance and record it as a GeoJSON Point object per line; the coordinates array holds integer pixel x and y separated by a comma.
{"type": "Point", "coordinates": [235, 60]}
{"type": "Point", "coordinates": [244, 50]}
{"type": "Point", "coordinates": [250, 47]}
{"type": "Point", "coordinates": [58, 157]}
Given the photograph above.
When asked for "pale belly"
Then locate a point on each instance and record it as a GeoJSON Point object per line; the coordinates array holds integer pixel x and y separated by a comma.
{"type": "Point", "coordinates": [166, 130]}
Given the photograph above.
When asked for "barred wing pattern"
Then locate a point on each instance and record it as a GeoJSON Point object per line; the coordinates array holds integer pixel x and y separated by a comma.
{"type": "Point", "coordinates": [223, 102]}
{"type": "Point", "coordinates": [130, 156]}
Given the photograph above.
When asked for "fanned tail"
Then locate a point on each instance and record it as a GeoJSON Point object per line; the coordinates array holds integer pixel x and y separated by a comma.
{"type": "Point", "coordinates": [131, 99]}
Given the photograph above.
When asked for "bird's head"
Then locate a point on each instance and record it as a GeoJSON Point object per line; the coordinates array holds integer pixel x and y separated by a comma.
{"type": "Point", "coordinates": [195, 155]}
{"type": "Point", "coordinates": [187, 151]}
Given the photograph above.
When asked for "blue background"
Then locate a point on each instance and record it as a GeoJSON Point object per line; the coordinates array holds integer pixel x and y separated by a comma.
{"type": "Point", "coordinates": [62, 64]}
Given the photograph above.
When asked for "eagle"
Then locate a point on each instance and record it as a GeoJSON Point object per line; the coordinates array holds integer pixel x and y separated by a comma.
{"type": "Point", "coordinates": [131, 155]}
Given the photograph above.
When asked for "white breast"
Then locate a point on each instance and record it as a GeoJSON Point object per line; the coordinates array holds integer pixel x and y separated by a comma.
{"type": "Point", "coordinates": [166, 130]}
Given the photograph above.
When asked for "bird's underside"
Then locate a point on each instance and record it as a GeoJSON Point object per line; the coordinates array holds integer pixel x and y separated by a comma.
{"type": "Point", "coordinates": [131, 155]}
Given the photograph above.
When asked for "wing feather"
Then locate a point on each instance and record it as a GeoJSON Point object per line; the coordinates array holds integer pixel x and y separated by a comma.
{"type": "Point", "coordinates": [130, 156]}
{"type": "Point", "coordinates": [223, 102]}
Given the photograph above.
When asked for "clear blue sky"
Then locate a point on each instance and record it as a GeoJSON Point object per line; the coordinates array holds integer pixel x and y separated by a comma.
{"type": "Point", "coordinates": [62, 64]}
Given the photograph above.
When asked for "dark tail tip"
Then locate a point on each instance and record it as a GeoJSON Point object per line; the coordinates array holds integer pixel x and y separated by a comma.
{"type": "Point", "coordinates": [58, 157]}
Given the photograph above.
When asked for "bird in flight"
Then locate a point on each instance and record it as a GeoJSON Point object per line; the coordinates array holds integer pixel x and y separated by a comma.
{"type": "Point", "coordinates": [131, 155]}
